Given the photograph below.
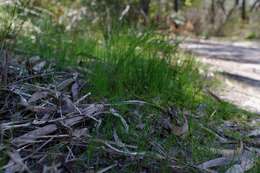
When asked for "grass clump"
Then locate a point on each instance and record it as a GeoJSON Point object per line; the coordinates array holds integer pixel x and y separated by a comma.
{"type": "Point", "coordinates": [143, 66]}
{"type": "Point", "coordinates": [127, 65]}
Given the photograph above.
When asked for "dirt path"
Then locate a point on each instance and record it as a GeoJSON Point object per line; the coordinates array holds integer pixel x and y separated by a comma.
{"type": "Point", "coordinates": [239, 66]}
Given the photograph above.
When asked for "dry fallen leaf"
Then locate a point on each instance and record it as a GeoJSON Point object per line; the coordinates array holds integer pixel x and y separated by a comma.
{"type": "Point", "coordinates": [68, 105]}
{"type": "Point", "coordinates": [247, 160]}
{"type": "Point", "coordinates": [78, 133]}
{"type": "Point", "coordinates": [107, 168]}
{"type": "Point", "coordinates": [16, 163]}
{"type": "Point", "coordinates": [116, 114]}
{"type": "Point", "coordinates": [215, 162]}
{"type": "Point", "coordinates": [235, 169]}
{"type": "Point", "coordinates": [37, 96]}
{"type": "Point", "coordinates": [65, 84]}
{"type": "Point", "coordinates": [38, 109]}
{"type": "Point", "coordinates": [75, 90]}
{"type": "Point", "coordinates": [39, 66]}
{"type": "Point", "coordinates": [31, 136]}
{"type": "Point", "coordinates": [229, 152]}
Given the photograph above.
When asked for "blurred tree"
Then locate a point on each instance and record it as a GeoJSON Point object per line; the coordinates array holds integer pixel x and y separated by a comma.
{"type": "Point", "coordinates": [236, 2]}
{"type": "Point", "coordinates": [213, 12]}
{"type": "Point", "coordinates": [255, 4]}
{"type": "Point", "coordinates": [176, 5]}
{"type": "Point", "coordinates": [243, 10]}
{"type": "Point", "coordinates": [144, 4]}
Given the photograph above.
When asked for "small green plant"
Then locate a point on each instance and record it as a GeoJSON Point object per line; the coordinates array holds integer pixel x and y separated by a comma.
{"type": "Point", "coordinates": [251, 36]}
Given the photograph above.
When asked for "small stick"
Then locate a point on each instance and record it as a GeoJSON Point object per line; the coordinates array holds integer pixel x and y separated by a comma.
{"type": "Point", "coordinates": [107, 168]}
{"type": "Point", "coordinates": [214, 96]}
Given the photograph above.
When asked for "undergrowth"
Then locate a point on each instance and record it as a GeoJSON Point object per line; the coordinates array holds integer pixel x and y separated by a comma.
{"type": "Point", "coordinates": [129, 64]}
{"type": "Point", "coordinates": [135, 65]}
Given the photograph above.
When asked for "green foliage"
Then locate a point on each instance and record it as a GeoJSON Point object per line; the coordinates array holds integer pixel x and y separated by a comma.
{"type": "Point", "coordinates": [251, 36]}
{"type": "Point", "coordinates": [128, 64]}
{"type": "Point", "coordinates": [188, 2]}
{"type": "Point", "coordinates": [142, 66]}
{"type": "Point", "coordinates": [7, 18]}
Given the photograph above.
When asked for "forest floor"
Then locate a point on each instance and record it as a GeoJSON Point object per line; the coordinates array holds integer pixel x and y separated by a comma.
{"type": "Point", "coordinates": [237, 65]}
{"type": "Point", "coordinates": [51, 121]}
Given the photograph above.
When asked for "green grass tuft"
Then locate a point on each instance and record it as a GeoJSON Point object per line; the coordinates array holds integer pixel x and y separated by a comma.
{"type": "Point", "coordinates": [125, 66]}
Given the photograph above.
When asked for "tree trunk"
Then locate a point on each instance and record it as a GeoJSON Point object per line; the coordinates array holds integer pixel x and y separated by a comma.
{"type": "Point", "coordinates": [236, 2]}
{"type": "Point", "coordinates": [257, 2]}
{"type": "Point", "coordinates": [176, 5]}
{"type": "Point", "coordinates": [243, 10]}
{"type": "Point", "coordinates": [213, 12]}
{"type": "Point", "coordinates": [144, 5]}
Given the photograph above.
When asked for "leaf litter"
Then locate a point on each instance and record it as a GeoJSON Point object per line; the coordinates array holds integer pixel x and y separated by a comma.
{"type": "Point", "coordinates": [46, 122]}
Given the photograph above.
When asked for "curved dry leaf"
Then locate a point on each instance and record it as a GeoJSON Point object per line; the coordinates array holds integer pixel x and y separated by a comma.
{"type": "Point", "coordinates": [68, 105]}
{"type": "Point", "coordinates": [117, 140]}
{"type": "Point", "coordinates": [82, 98]}
{"type": "Point", "coordinates": [65, 84]}
{"type": "Point", "coordinates": [124, 12]}
{"type": "Point", "coordinates": [215, 162]}
{"type": "Point", "coordinates": [38, 109]}
{"type": "Point", "coordinates": [91, 111]}
{"type": "Point", "coordinates": [41, 109]}
{"type": "Point", "coordinates": [34, 59]}
{"type": "Point", "coordinates": [38, 95]}
{"type": "Point", "coordinates": [229, 152]}
{"type": "Point", "coordinates": [78, 133]}
{"type": "Point", "coordinates": [11, 167]}
{"type": "Point", "coordinates": [23, 101]}
{"type": "Point", "coordinates": [224, 152]}
{"type": "Point", "coordinates": [31, 136]}
{"type": "Point", "coordinates": [75, 90]}
{"type": "Point", "coordinates": [16, 163]}
{"type": "Point", "coordinates": [235, 169]}
{"type": "Point", "coordinates": [220, 138]}
{"type": "Point", "coordinates": [107, 168]}
{"type": "Point", "coordinates": [128, 153]}
{"type": "Point", "coordinates": [247, 160]}
{"type": "Point", "coordinates": [113, 112]}
{"type": "Point", "coordinates": [39, 66]}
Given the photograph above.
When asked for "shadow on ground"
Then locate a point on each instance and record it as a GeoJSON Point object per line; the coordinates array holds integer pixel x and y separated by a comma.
{"type": "Point", "coordinates": [226, 52]}
{"type": "Point", "coordinates": [242, 79]}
